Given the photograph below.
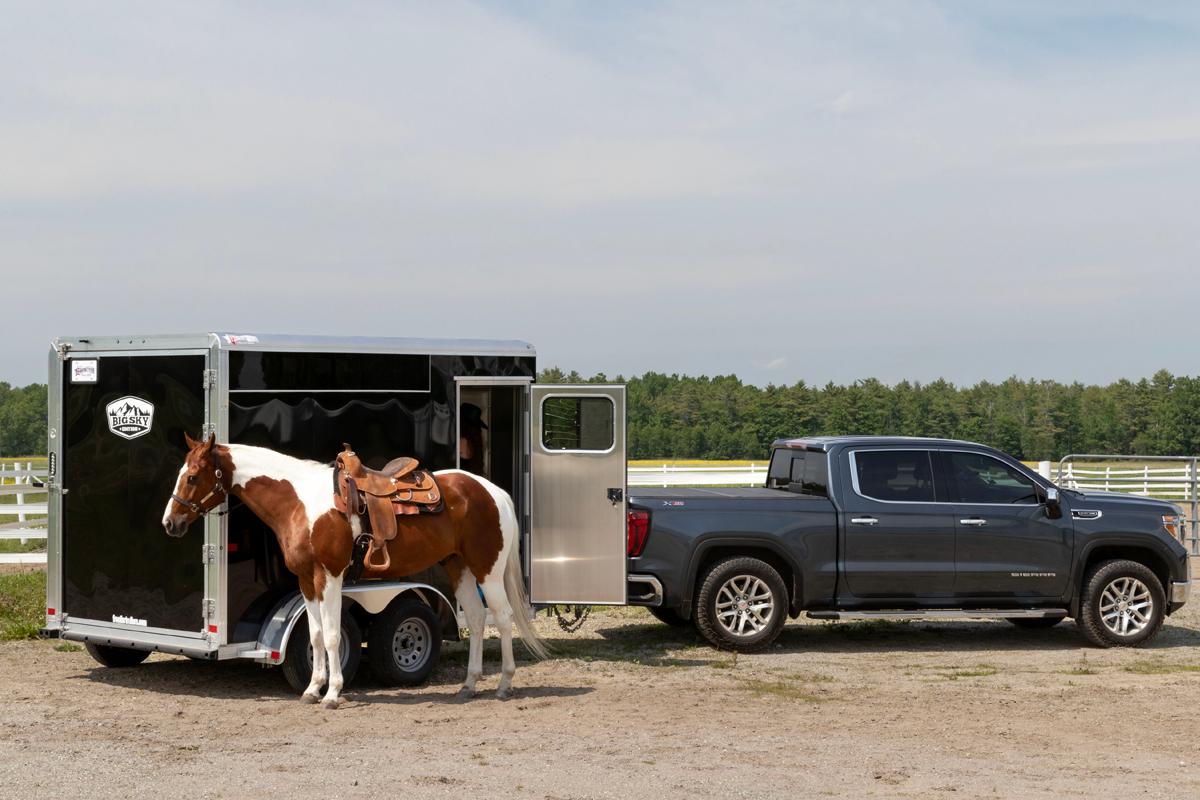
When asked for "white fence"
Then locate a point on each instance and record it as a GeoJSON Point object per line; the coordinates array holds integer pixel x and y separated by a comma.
{"type": "Point", "coordinates": [671, 475]}
{"type": "Point", "coordinates": [31, 516]}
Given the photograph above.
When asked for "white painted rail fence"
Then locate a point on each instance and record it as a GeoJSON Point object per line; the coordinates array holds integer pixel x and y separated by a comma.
{"type": "Point", "coordinates": [672, 475]}
{"type": "Point", "coordinates": [31, 516]}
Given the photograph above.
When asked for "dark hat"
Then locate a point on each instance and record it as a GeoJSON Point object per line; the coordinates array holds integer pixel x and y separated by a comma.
{"type": "Point", "coordinates": [471, 414]}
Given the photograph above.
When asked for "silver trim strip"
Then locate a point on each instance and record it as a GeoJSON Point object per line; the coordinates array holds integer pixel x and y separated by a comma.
{"type": "Point", "coordinates": [1091, 513]}
{"type": "Point", "coordinates": [941, 614]}
{"type": "Point", "coordinates": [972, 522]}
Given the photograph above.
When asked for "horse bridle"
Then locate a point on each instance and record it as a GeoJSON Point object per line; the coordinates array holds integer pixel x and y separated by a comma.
{"type": "Point", "coordinates": [196, 507]}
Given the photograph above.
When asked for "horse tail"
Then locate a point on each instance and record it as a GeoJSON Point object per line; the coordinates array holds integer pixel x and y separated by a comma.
{"type": "Point", "coordinates": [514, 587]}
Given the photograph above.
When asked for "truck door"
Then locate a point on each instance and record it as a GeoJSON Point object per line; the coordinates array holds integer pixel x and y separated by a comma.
{"type": "Point", "coordinates": [1006, 544]}
{"type": "Point", "coordinates": [577, 477]}
{"type": "Point", "coordinates": [123, 427]}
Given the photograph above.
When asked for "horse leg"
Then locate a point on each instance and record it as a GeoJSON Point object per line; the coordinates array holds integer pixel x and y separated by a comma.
{"type": "Point", "coordinates": [313, 693]}
{"type": "Point", "coordinates": [497, 600]}
{"type": "Point", "coordinates": [331, 622]}
{"type": "Point", "coordinates": [468, 597]}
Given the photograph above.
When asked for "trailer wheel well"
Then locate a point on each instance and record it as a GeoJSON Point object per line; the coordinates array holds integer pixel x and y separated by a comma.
{"type": "Point", "coordinates": [780, 564]}
{"type": "Point", "coordinates": [1141, 555]}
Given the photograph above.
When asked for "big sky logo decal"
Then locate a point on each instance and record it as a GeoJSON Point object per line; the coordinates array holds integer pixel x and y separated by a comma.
{"type": "Point", "coordinates": [130, 417]}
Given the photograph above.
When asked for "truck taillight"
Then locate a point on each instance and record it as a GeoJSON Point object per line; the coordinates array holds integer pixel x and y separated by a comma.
{"type": "Point", "coordinates": [639, 526]}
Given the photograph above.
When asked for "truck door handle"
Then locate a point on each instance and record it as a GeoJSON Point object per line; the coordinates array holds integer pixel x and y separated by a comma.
{"type": "Point", "coordinates": [865, 521]}
{"type": "Point", "coordinates": [973, 521]}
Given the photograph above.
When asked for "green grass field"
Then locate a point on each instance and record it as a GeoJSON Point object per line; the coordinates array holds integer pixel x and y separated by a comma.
{"type": "Point", "coordinates": [22, 600]}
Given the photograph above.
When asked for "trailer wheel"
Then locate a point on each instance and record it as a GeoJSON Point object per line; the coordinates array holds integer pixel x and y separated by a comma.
{"type": "Point", "coordinates": [741, 604]}
{"type": "Point", "coordinates": [110, 656]}
{"type": "Point", "coordinates": [405, 642]}
{"type": "Point", "coordinates": [668, 615]}
{"type": "Point", "coordinates": [297, 663]}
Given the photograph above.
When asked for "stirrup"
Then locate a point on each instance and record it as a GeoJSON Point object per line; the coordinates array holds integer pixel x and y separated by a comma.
{"type": "Point", "coordinates": [387, 561]}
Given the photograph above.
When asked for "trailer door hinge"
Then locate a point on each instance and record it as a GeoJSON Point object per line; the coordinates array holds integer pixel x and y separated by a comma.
{"type": "Point", "coordinates": [209, 554]}
{"type": "Point", "coordinates": [208, 608]}
{"type": "Point", "coordinates": [64, 350]}
{"type": "Point", "coordinates": [207, 430]}
{"type": "Point", "coordinates": [210, 379]}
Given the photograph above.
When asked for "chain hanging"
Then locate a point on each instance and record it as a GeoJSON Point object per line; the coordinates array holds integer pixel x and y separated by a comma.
{"type": "Point", "coordinates": [571, 625]}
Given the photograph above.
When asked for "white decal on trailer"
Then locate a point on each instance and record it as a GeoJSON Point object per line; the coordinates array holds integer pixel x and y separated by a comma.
{"type": "Point", "coordinates": [130, 417]}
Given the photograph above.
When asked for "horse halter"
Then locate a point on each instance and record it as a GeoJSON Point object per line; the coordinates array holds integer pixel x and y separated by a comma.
{"type": "Point", "coordinates": [195, 507]}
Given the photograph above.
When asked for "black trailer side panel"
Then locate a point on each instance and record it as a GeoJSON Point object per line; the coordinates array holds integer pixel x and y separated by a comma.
{"type": "Point", "coordinates": [118, 560]}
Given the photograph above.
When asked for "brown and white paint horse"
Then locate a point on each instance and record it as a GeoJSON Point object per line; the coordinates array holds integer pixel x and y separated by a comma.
{"type": "Point", "coordinates": [474, 536]}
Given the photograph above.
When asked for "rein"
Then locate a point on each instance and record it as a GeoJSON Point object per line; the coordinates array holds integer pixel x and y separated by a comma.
{"type": "Point", "coordinates": [196, 507]}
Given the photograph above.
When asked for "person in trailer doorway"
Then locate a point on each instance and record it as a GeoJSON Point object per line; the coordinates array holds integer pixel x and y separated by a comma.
{"type": "Point", "coordinates": [470, 438]}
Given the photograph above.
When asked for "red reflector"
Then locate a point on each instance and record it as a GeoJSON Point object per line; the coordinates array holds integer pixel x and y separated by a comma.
{"type": "Point", "coordinates": [233, 547]}
{"type": "Point", "coordinates": [274, 655]}
{"type": "Point", "coordinates": [212, 628]}
{"type": "Point", "coordinates": [639, 526]}
{"type": "Point", "coordinates": [50, 612]}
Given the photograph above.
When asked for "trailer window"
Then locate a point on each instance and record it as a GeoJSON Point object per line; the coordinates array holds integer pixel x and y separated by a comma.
{"type": "Point", "coordinates": [577, 423]}
{"type": "Point", "coordinates": [251, 371]}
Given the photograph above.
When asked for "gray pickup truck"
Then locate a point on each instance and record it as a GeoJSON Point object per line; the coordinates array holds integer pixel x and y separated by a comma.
{"type": "Point", "coordinates": [858, 527]}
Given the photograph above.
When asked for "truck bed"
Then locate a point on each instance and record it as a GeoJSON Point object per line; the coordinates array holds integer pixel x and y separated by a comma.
{"type": "Point", "coordinates": [713, 493]}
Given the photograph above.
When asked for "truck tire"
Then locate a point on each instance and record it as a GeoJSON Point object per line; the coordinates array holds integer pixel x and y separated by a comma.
{"type": "Point", "coordinates": [741, 604]}
{"type": "Point", "coordinates": [110, 656]}
{"type": "Point", "coordinates": [668, 615]}
{"type": "Point", "coordinates": [405, 642]}
{"type": "Point", "coordinates": [1035, 623]}
{"type": "Point", "coordinates": [1121, 605]}
{"type": "Point", "coordinates": [297, 662]}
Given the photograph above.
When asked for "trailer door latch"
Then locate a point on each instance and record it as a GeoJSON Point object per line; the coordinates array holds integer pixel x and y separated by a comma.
{"type": "Point", "coordinates": [615, 495]}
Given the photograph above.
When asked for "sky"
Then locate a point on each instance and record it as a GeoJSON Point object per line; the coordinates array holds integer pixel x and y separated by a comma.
{"type": "Point", "coordinates": [785, 191]}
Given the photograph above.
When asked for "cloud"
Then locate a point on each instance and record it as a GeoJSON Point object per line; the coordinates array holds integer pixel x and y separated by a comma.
{"type": "Point", "coordinates": [775, 363]}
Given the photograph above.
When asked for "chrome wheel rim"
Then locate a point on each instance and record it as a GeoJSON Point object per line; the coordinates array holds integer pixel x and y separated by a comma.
{"type": "Point", "coordinates": [1126, 607]}
{"type": "Point", "coordinates": [745, 606]}
{"type": "Point", "coordinates": [410, 645]}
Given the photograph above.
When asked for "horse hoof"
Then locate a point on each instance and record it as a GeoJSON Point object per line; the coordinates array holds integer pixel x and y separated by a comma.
{"type": "Point", "coordinates": [329, 705]}
{"type": "Point", "coordinates": [310, 699]}
{"type": "Point", "coordinates": [504, 694]}
{"type": "Point", "coordinates": [465, 694]}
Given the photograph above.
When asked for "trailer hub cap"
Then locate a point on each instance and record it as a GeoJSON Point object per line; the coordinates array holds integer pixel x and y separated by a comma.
{"type": "Point", "coordinates": [410, 644]}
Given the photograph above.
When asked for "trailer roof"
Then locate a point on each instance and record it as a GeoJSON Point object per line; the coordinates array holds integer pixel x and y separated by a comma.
{"type": "Point", "coordinates": [300, 343]}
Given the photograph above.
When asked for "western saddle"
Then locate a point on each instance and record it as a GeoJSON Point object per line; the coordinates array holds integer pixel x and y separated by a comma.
{"type": "Point", "coordinates": [378, 497]}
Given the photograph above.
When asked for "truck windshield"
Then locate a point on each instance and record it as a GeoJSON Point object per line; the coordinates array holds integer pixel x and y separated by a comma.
{"type": "Point", "coordinates": [799, 471]}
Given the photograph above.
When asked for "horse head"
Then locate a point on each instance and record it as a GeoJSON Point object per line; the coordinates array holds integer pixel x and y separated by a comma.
{"type": "Point", "coordinates": [201, 486]}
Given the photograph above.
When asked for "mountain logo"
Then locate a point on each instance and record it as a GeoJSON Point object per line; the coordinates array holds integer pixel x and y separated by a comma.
{"type": "Point", "coordinates": [130, 417]}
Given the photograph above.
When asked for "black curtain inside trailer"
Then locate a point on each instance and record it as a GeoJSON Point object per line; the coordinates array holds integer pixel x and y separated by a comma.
{"type": "Point", "coordinates": [118, 560]}
{"type": "Point", "coordinates": [313, 425]}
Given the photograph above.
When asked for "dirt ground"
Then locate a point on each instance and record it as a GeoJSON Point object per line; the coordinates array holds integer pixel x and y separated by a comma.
{"type": "Point", "coordinates": [632, 708]}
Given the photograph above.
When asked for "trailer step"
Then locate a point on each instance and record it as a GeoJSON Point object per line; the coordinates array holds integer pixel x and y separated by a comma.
{"type": "Point", "coordinates": [941, 614]}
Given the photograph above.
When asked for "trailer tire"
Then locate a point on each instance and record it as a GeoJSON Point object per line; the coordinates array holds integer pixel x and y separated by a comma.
{"type": "Point", "coordinates": [110, 656]}
{"type": "Point", "coordinates": [745, 588]}
{"type": "Point", "coordinates": [1118, 595]}
{"type": "Point", "coordinates": [297, 662]}
{"type": "Point", "coordinates": [405, 642]}
{"type": "Point", "coordinates": [669, 616]}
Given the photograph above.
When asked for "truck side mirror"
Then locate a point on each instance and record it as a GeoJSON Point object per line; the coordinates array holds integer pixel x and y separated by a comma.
{"type": "Point", "coordinates": [1052, 503]}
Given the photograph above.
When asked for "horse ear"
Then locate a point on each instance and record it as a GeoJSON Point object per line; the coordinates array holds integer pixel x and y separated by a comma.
{"type": "Point", "coordinates": [191, 443]}
{"type": "Point", "coordinates": [212, 441]}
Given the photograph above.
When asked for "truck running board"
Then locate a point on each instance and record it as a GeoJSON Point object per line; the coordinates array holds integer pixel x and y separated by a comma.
{"type": "Point", "coordinates": [940, 614]}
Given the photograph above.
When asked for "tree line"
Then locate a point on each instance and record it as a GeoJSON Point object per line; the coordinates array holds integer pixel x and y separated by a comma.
{"type": "Point", "coordinates": [683, 417]}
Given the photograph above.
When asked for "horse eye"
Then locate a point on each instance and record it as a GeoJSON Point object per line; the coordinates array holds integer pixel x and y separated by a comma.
{"type": "Point", "coordinates": [191, 479]}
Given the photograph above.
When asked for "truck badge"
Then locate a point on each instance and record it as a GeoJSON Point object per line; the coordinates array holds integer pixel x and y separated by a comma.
{"type": "Point", "coordinates": [130, 417]}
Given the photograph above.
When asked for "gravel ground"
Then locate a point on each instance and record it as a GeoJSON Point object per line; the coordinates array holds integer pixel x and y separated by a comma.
{"type": "Point", "coordinates": [632, 708]}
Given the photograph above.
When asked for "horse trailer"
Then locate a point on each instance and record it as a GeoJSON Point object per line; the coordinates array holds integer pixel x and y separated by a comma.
{"type": "Point", "coordinates": [119, 407]}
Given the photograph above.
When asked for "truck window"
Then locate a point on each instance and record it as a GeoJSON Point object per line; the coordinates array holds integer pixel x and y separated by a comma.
{"type": "Point", "coordinates": [577, 423]}
{"type": "Point", "coordinates": [800, 472]}
{"type": "Point", "coordinates": [976, 478]}
{"type": "Point", "coordinates": [895, 476]}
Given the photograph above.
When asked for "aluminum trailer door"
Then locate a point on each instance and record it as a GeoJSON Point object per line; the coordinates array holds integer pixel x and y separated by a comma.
{"type": "Point", "coordinates": [578, 508]}
{"type": "Point", "coordinates": [122, 447]}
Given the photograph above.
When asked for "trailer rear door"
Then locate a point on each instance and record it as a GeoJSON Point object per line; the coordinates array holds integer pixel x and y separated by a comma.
{"type": "Point", "coordinates": [578, 494]}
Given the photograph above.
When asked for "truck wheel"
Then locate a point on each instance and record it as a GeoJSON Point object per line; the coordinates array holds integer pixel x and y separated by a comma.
{"type": "Point", "coordinates": [1035, 623]}
{"type": "Point", "coordinates": [741, 604]}
{"type": "Point", "coordinates": [297, 663]}
{"type": "Point", "coordinates": [405, 642]}
{"type": "Point", "coordinates": [1122, 604]}
{"type": "Point", "coordinates": [668, 615]}
{"type": "Point", "coordinates": [110, 656]}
